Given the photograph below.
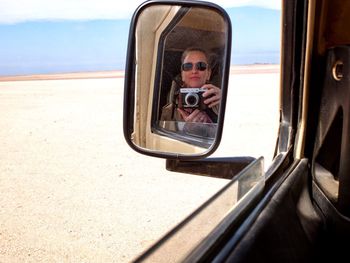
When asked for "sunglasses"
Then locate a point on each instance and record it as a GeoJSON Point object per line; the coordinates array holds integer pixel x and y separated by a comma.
{"type": "Point", "coordinates": [201, 66]}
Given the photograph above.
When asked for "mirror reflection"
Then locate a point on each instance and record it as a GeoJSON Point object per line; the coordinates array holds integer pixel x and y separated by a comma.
{"type": "Point", "coordinates": [190, 94]}
{"type": "Point", "coordinates": [178, 63]}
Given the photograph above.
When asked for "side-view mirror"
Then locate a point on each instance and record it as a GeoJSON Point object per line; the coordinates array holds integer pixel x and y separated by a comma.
{"type": "Point", "coordinates": [176, 79]}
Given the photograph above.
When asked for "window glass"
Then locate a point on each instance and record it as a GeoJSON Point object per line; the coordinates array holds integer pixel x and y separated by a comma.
{"type": "Point", "coordinates": [70, 185]}
{"type": "Point", "coordinates": [252, 109]}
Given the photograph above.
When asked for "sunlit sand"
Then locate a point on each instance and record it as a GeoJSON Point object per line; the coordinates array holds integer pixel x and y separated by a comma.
{"type": "Point", "coordinates": [71, 188]}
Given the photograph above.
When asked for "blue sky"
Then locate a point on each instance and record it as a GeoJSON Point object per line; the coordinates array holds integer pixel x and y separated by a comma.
{"type": "Point", "coordinates": [63, 46]}
{"type": "Point", "coordinates": [39, 42]}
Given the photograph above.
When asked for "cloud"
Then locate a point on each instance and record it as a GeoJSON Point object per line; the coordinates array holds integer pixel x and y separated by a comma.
{"type": "Point", "coordinates": [271, 4]}
{"type": "Point", "coordinates": [16, 11]}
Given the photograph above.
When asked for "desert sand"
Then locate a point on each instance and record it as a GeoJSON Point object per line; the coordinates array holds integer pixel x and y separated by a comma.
{"type": "Point", "coordinates": [71, 189]}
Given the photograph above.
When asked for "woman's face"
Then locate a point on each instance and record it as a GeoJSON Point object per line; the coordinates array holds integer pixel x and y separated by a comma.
{"type": "Point", "coordinates": [195, 77]}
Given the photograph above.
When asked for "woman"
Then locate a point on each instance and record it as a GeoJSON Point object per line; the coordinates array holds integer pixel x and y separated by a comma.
{"type": "Point", "coordinates": [195, 73]}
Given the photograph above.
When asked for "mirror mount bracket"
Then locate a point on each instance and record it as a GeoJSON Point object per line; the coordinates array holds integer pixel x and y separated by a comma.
{"type": "Point", "coordinates": [225, 168]}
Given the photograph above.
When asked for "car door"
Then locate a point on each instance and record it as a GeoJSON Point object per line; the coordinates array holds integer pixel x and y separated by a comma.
{"type": "Point", "coordinates": [297, 209]}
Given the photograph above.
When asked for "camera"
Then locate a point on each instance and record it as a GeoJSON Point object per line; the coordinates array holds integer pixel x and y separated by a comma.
{"type": "Point", "coordinates": [192, 98]}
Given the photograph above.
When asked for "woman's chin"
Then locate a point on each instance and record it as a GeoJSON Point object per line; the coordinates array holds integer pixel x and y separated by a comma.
{"type": "Point", "coordinates": [195, 85]}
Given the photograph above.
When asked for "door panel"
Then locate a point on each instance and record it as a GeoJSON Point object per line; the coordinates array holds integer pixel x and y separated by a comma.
{"type": "Point", "coordinates": [331, 166]}
{"type": "Point", "coordinates": [286, 230]}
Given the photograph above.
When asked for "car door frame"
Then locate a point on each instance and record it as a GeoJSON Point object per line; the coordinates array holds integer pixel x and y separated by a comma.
{"type": "Point", "coordinates": [286, 179]}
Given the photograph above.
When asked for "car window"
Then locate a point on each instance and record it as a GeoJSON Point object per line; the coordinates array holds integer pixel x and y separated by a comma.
{"type": "Point", "coordinates": [252, 109]}
{"type": "Point", "coordinates": [71, 188]}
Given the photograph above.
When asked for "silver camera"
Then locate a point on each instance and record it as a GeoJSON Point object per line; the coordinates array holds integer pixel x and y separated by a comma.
{"type": "Point", "coordinates": [192, 98]}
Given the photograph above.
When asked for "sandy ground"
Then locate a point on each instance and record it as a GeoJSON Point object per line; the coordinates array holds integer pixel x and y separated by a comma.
{"type": "Point", "coordinates": [71, 190]}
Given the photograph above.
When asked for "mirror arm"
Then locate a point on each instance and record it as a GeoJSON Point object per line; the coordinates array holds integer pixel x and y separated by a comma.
{"type": "Point", "coordinates": [225, 168]}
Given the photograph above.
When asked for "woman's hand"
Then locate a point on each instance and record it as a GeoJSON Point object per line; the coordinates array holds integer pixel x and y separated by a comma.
{"type": "Point", "coordinates": [213, 95]}
{"type": "Point", "coordinates": [190, 115]}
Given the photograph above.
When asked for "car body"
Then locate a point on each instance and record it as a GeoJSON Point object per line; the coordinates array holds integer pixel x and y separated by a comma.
{"type": "Point", "coordinates": [296, 211]}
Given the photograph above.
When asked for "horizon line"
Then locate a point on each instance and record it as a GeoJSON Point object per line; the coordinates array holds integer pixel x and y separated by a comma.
{"type": "Point", "coordinates": [257, 68]}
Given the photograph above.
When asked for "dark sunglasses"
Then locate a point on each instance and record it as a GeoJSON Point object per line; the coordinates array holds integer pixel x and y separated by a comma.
{"type": "Point", "coordinates": [201, 66]}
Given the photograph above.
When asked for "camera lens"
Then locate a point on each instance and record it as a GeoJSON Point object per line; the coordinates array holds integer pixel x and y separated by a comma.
{"type": "Point", "coordinates": [192, 99]}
